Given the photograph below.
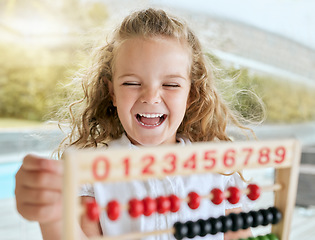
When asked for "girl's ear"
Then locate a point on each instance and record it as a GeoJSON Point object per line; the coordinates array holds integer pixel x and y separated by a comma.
{"type": "Point", "coordinates": [111, 91]}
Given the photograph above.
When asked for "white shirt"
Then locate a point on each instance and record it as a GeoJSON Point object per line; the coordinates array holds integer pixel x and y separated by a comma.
{"type": "Point", "coordinates": [178, 185]}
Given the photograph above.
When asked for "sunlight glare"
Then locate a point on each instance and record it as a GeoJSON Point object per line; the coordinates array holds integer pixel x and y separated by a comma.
{"type": "Point", "coordinates": [37, 27]}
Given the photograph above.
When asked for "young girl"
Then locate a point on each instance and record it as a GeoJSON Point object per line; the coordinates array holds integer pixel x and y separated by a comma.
{"type": "Point", "coordinates": [150, 85]}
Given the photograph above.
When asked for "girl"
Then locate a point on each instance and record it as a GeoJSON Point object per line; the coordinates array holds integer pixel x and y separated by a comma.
{"type": "Point", "coordinates": [149, 85]}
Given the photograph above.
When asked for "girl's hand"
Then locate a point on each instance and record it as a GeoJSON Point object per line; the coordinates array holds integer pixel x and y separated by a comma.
{"type": "Point", "coordinates": [38, 190]}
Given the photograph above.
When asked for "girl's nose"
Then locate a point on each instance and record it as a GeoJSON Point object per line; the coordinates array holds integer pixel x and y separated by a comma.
{"type": "Point", "coordinates": [151, 96]}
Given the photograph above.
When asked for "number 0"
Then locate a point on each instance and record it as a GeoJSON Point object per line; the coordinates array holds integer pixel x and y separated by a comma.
{"type": "Point", "coordinates": [100, 172]}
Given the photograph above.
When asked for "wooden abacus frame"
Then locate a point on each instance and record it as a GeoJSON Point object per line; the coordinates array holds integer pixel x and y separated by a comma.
{"type": "Point", "coordinates": [110, 165]}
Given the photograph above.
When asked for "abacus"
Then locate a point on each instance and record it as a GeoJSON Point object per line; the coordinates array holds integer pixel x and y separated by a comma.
{"type": "Point", "coordinates": [118, 165]}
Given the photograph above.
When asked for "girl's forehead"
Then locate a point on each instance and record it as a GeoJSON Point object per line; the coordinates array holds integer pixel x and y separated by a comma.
{"type": "Point", "coordinates": [154, 41]}
{"type": "Point", "coordinates": [157, 46]}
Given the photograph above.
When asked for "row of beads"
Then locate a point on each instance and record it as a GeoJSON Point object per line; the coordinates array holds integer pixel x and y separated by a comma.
{"type": "Point", "coordinates": [269, 236]}
{"type": "Point", "coordinates": [232, 222]}
{"type": "Point", "coordinates": [171, 203]}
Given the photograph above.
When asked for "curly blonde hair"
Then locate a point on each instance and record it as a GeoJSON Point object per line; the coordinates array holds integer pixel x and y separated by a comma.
{"type": "Point", "coordinates": [94, 119]}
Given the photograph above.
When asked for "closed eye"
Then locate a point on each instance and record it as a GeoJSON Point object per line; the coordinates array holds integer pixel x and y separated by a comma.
{"type": "Point", "coordinates": [131, 84]}
{"type": "Point", "coordinates": [171, 85]}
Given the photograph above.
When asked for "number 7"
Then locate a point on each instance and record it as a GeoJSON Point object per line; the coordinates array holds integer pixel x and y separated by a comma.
{"type": "Point", "coordinates": [248, 155]}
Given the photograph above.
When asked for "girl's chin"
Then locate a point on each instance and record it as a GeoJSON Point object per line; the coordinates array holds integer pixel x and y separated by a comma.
{"type": "Point", "coordinates": [150, 141]}
{"type": "Point", "coordinates": [145, 143]}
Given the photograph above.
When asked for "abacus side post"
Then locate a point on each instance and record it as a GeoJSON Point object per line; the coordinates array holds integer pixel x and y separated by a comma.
{"type": "Point", "coordinates": [285, 198]}
{"type": "Point", "coordinates": [70, 199]}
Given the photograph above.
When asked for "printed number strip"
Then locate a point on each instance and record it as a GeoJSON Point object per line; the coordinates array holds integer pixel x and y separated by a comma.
{"type": "Point", "coordinates": [143, 163]}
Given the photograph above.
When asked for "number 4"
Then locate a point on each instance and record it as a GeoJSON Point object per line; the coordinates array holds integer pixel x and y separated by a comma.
{"type": "Point", "coordinates": [190, 163]}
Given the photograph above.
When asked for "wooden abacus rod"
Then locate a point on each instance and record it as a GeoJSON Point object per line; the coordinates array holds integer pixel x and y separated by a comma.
{"type": "Point", "coordinates": [227, 194]}
{"type": "Point", "coordinates": [270, 188]}
{"type": "Point", "coordinates": [246, 191]}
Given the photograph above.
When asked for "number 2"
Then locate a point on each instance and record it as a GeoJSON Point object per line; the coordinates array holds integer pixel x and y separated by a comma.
{"type": "Point", "coordinates": [149, 161]}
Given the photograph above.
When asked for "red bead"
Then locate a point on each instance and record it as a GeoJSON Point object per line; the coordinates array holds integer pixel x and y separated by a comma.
{"type": "Point", "coordinates": [163, 204]}
{"type": "Point", "coordinates": [217, 196]}
{"type": "Point", "coordinates": [135, 208]}
{"type": "Point", "coordinates": [254, 192]}
{"type": "Point", "coordinates": [194, 200]}
{"type": "Point", "coordinates": [92, 210]}
{"type": "Point", "coordinates": [235, 195]}
{"type": "Point", "coordinates": [149, 206]}
{"type": "Point", "coordinates": [113, 210]}
{"type": "Point", "coordinates": [175, 203]}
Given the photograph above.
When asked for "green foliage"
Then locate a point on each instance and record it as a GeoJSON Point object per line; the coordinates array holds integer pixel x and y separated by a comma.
{"type": "Point", "coordinates": [29, 78]}
{"type": "Point", "coordinates": [248, 92]}
{"type": "Point", "coordinates": [286, 101]}
{"type": "Point", "coordinates": [33, 76]}
{"type": "Point", "coordinates": [16, 123]}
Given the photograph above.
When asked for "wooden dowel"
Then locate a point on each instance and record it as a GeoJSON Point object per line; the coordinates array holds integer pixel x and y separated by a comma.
{"type": "Point", "coordinates": [268, 188]}
{"type": "Point", "coordinates": [274, 188]}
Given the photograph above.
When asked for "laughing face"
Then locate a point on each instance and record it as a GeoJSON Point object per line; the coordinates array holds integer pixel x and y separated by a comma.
{"type": "Point", "coordinates": [150, 89]}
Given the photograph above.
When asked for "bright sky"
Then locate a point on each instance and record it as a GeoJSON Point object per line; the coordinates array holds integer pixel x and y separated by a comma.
{"type": "Point", "coordinates": [294, 19]}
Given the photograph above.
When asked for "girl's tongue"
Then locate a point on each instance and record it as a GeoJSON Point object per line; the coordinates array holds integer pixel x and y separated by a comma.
{"type": "Point", "coordinates": [150, 121]}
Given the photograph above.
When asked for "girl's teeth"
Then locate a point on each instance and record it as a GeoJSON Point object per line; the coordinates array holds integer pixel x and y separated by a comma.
{"type": "Point", "coordinates": [143, 124]}
{"type": "Point", "coordinates": [150, 120]}
{"type": "Point", "coordinates": [150, 115]}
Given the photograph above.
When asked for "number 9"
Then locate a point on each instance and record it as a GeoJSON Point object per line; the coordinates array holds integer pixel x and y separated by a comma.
{"type": "Point", "coordinates": [281, 153]}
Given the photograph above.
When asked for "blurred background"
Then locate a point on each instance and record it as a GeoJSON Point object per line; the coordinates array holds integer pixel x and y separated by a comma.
{"type": "Point", "coordinates": [265, 46]}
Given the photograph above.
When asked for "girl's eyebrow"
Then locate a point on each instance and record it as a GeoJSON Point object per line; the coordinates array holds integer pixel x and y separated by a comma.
{"type": "Point", "coordinates": [128, 75]}
{"type": "Point", "coordinates": [176, 76]}
{"type": "Point", "coordinates": [168, 76]}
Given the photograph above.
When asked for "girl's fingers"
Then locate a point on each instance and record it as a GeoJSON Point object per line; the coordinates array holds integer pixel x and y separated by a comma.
{"type": "Point", "coordinates": [36, 163]}
{"type": "Point", "coordinates": [38, 189]}
{"type": "Point", "coordinates": [39, 180]}
{"type": "Point", "coordinates": [40, 213]}
{"type": "Point", "coordinates": [39, 196]}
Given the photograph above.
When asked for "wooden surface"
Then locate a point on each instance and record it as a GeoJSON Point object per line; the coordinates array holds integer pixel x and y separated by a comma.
{"type": "Point", "coordinates": [166, 160]}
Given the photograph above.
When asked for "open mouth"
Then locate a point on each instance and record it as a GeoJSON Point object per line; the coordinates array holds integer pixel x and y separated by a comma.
{"type": "Point", "coordinates": [151, 120]}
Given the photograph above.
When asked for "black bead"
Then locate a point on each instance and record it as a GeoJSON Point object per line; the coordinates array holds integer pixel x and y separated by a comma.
{"type": "Point", "coordinates": [237, 221]}
{"type": "Point", "coordinates": [277, 215]}
{"type": "Point", "coordinates": [181, 230]}
{"type": "Point", "coordinates": [247, 220]}
{"type": "Point", "coordinates": [193, 229]}
{"type": "Point", "coordinates": [216, 225]}
{"type": "Point", "coordinates": [227, 223]}
{"type": "Point", "coordinates": [268, 216]}
{"type": "Point", "coordinates": [257, 218]}
{"type": "Point", "coordinates": [205, 227]}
